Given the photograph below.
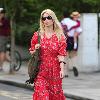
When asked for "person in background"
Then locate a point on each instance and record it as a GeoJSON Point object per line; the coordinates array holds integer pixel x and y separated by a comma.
{"type": "Point", "coordinates": [71, 31]}
{"type": "Point", "coordinates": [67, 23]}
{"type": "Point", "coordinates": [75, 16]}
{"type": "Point", "coordinates": [48, 83]}
{"type": "Point", "coordinates": [4, 34]}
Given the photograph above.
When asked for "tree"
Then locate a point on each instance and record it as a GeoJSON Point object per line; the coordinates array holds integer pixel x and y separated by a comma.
{"type": "Point", "coordinates": [17, 11]}
{"type": "Point", "coordinates": [27, 12]}
{"type": "Point", "coordinates": [11, 8]}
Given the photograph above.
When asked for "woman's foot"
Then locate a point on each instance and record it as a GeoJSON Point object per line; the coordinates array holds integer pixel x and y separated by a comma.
{"type": "Point", "coordinates": [75, 71]}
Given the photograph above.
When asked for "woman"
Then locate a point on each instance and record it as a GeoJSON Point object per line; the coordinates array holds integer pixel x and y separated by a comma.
{"type": "Point", "coordinates": [48, 84]}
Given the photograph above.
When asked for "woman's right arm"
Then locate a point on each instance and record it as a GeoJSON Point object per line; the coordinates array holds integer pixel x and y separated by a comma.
{"type": "Point", "coordinates": [34, 42]}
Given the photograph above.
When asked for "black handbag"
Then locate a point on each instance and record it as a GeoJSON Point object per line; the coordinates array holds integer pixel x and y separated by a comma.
{"type": "Point", "coordinates": [33, 65]}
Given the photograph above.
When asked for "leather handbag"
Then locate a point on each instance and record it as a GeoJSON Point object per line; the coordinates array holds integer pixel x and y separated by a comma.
{"type": "Point", "coordinates": [33, 65]}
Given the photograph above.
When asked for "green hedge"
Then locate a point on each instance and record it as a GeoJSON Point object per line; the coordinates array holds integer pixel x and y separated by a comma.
{"type": "Point", "coordinates": [24, 34]}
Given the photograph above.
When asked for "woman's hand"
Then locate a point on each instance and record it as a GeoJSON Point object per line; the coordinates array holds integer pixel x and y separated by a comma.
{"type": "Point", "coordinates": [62, 70]}
{"type": "Point", "coordinates": [62, 74]}
{"type": "Point", "coordinates": [37, 46]}
{"type": "Point", "coordinates": [31, 52]}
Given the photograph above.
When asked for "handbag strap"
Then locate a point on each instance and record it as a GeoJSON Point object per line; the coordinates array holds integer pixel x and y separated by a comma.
{"type": "Point", "coordinates": [38, 37]}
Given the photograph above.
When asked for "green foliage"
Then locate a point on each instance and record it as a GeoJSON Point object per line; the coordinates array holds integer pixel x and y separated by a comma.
{"type": "Point", "coordinates": [24, 33]}
{"type": "Point", "coordinates": [26, 13]}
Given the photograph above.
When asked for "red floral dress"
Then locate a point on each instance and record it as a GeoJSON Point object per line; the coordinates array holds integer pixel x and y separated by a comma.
{"type": "Point", "coordinates": [48, 84]}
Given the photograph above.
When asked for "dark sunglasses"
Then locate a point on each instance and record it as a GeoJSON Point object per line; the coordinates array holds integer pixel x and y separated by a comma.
{"type": "Point", "coordinates": [44, 18]}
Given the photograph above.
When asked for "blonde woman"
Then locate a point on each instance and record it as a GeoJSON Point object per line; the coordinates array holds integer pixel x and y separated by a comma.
{"type": "Point", "coordinates": [48, 84]}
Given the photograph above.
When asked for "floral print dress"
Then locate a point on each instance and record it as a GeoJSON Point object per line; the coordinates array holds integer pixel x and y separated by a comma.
{"type": "Point", "coordinates": [48, 84]}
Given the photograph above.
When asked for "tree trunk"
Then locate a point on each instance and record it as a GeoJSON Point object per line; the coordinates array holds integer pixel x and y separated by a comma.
{"type": "Point", "coordinates": [12, 46]}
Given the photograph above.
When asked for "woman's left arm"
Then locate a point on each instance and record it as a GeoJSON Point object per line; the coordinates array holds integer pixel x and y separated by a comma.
{"type": "Point", "coordinates": [62, 53]}
{"type": "Point", "coordinates": [62, 64]}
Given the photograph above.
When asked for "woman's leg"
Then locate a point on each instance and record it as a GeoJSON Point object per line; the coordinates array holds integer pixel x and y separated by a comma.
{"type": "Point", "coordinates": [55, 88]}
{"type": "Point", "coordinates": [41, 89]}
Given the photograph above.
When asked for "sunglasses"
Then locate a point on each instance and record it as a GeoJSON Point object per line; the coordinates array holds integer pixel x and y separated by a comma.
{"type": "Point", "coordinates": [44, 18]}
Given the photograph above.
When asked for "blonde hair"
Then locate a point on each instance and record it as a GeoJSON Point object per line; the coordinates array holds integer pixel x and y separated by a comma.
{"type": "Point", "coordinates": [57, 26]}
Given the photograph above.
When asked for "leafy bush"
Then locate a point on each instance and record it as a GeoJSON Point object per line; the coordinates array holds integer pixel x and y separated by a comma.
{"type": "Point", "coordinates": [24, 34]}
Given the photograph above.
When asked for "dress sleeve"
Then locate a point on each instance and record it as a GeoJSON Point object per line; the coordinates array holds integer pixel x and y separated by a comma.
{"type": "Point", "coordinates": [62, 46]}
{"type": "Point", "coordinates": [34, 41]}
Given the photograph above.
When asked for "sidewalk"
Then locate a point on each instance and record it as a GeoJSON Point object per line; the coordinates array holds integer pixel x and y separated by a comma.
{"type": "Point", "coordinates": [84, 87]}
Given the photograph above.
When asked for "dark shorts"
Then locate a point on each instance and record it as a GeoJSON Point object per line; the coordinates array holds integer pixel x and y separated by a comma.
{"type": "Point", "coordinates": [70, 44]}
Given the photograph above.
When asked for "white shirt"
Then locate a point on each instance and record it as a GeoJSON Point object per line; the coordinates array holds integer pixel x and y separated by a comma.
{"type": "Point", "coordinates": [71, 32]}
{"type": "Point", "coordinates": [68, 22]}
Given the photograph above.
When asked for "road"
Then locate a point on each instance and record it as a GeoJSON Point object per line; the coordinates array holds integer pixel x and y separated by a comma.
{"type": "Point", "coordinates": [8, 92]}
